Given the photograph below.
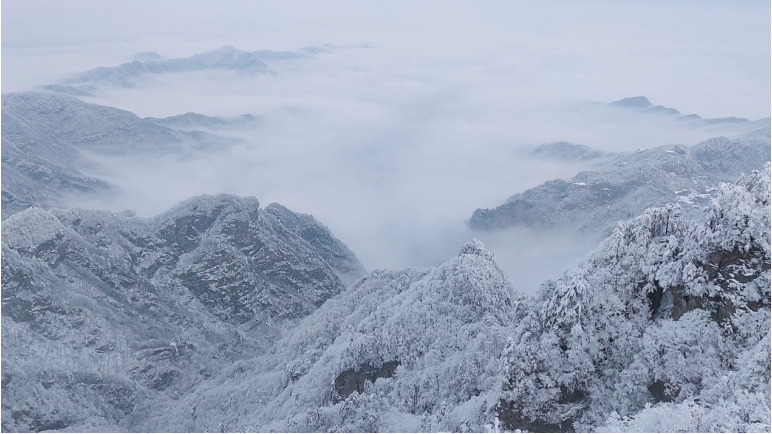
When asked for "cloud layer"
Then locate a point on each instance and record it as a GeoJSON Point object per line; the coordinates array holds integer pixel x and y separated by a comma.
{"type": "Point", "coordinates": [422, 114]}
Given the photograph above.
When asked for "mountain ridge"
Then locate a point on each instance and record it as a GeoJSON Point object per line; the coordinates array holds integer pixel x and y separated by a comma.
{"type": "Point", "coordinates": [226, 57]}
{"type": "Point", "coordinates": [641, 104]}
{"type": "Point", "coordinates": [142, 309]}
{"type": "Point", "coordinates": [625, 184]}
{"type": "Point", "coordinates": [45, 134]}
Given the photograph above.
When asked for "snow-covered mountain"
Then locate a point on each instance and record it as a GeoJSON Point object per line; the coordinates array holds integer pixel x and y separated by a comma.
{"type": "Point", "coordinates": [44, 136]}
{"type": "Point", "coordinates": [105, 313]}
{"type": "Point", "coordinates": [219, 315]}
{"type": "Point", "coordinates": [642, 105]}
{"type": "Point", "coordinates": [226, 57]}
{"type": "Point", "coordinates": [392, 352]}
{"type": "Point", "coordinates": [625, 184]}
{"type": "Point", "coordinates": [664, 328]}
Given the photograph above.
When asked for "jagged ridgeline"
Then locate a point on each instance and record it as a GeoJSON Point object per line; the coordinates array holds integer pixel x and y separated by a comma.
{"type": "Point", "coordinates": [664, 328]}
{"type": "Point", "coordinates": [398, 351]}
{"type": "Point", "coordinates": [227, 57]}
{"type": "Point", "coordinates": [104, 314]}
{"type": "Point", "coordinates": [45, 135]}
{"type": "Point", "coordinates": [622, 185]}
{"type": "Point", "coordinates": [219, 315]}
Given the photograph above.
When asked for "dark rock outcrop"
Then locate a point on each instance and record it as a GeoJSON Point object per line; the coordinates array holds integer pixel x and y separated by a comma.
{"type": "Point", "coordinates": [354, 380]}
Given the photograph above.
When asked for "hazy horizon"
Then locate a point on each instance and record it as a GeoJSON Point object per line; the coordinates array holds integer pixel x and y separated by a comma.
{"type": "Point", "coordinates": [420, 114]}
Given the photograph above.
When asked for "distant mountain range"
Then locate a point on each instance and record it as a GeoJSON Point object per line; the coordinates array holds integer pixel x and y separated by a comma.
{"type": "Point", "coordinates": [641, 104]}
{"type": "Point", "coordinates": [220, 315]}
{"type": "Point", "coordinates": [227, 57]}
{"type": "Point", "coordinates": [45, 133]}
{"type": "Point", "coordinates": [625, 184]}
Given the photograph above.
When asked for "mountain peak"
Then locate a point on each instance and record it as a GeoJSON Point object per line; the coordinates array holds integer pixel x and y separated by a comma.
{"type": "Point", "coordinates": [473, 247]}
{"type": "Point", "coordinates": [227, 49]}
{"type": "Point", "coordinates": [641, 103]}
{"type": "Point", "coordinates": [145, 56]}
{"type": "Point", "coordinates": [477, 248]}
{"type": "Point", "coordinates": [633, 102]}
{"type": "Point", "coordinates": [212, 205]}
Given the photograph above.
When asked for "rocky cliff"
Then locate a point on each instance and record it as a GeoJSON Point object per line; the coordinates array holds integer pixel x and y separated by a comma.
{"type": "Point", "coordinates": [103, 312]}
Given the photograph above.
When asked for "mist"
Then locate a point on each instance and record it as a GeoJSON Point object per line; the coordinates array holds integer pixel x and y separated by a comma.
{"type": "Point", "coordinates": [420, 114]}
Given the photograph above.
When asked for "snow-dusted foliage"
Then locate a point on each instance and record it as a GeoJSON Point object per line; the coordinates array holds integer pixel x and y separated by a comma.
{"type": "Point", "coordinates": [398, 351]}
{"type": "Point", "coordinates": [664, 327]}
{"type": "Point", "coordinates": [106, 314]}
{"type": "Point", "coordinates": [221, 316]}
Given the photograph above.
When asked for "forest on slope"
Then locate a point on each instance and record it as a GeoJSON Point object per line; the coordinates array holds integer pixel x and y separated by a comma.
{"type": "Point", "coordinates": [668, 317]}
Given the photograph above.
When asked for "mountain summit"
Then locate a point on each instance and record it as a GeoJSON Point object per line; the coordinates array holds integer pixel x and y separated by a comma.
{"type": "Point", "coordinates": [641, 103]}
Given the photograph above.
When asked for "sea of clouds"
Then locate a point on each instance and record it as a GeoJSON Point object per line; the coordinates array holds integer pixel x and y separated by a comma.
{"type": "Point", "coordinates": [418, 115]}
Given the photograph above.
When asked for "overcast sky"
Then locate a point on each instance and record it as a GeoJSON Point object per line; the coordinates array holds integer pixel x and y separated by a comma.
{"type": "Point", "coordinates": [701, 56]}
{"type": "Point", "coordinates": [421, 113]}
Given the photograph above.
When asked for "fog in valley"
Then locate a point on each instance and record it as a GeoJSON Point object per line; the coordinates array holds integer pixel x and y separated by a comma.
{"type": "Point", "coordinates": [413, 116]}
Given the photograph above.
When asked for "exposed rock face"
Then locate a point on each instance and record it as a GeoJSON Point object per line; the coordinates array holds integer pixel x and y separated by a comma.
{"type": "Point", "coordinates": [351, 381]}
{"type": "Point", "coordinates": [149, 306]}
{"type": "Point", "coordinates": [627, 184]}
{"type": "Point", "coordinates": [514, 420]}
{"type": "Point", "coordinates": [730, 271]}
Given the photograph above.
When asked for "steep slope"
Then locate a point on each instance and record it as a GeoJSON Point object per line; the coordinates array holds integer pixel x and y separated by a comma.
{"type": "Point", "coordinates": [666, 317]}
{"type": "Point", "coordinates": [665, 327]}
{"type": "Point", "coordinates": [205, 318]}
{"type": "Point", "coordinates": [629, 183]}
{"type": "Point", "coordinates": [44, 135]}
{"type": "Point", "coordinates": [104, 313]}
{"type": "Point", "coordinates": [50, 125]}
{"type": "Point", "coordinates": [398, 351]}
